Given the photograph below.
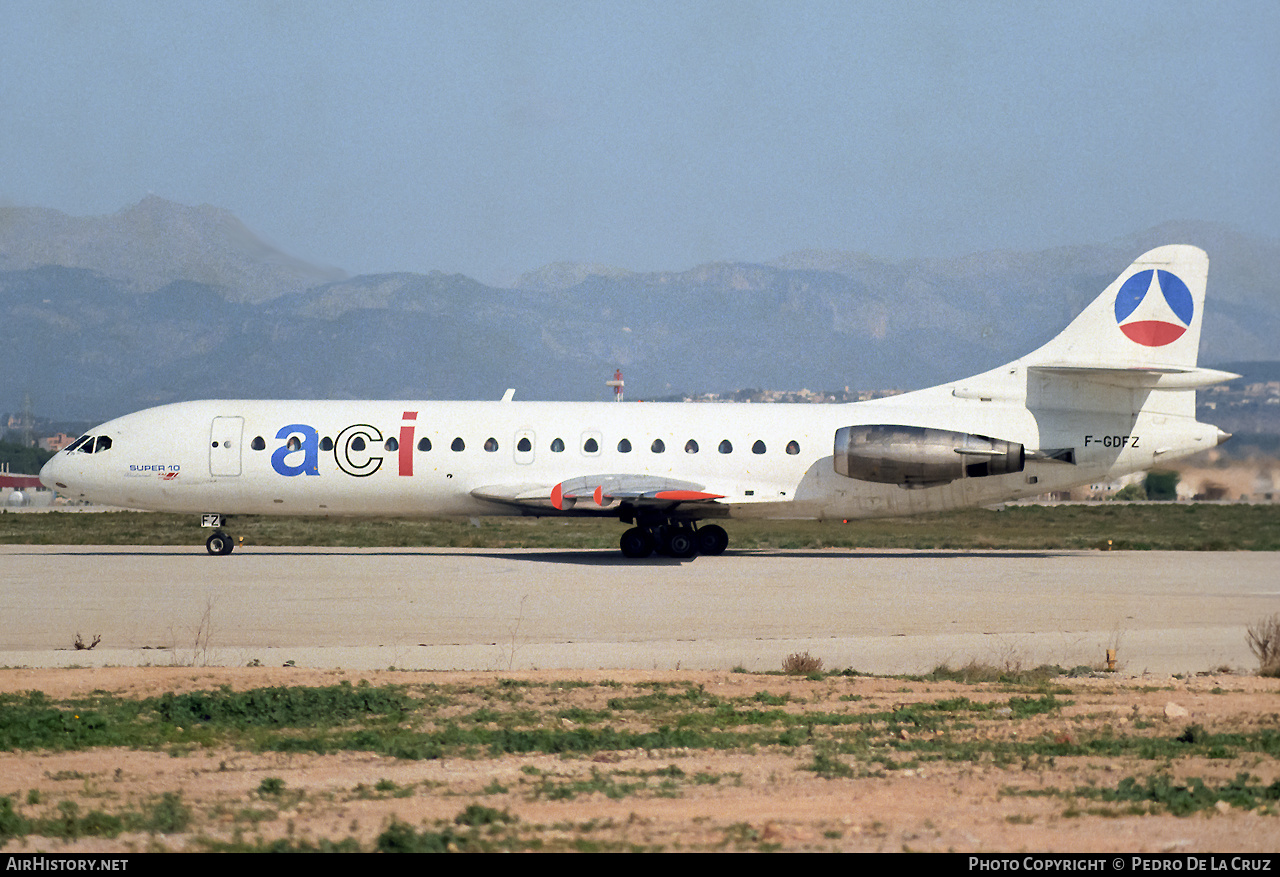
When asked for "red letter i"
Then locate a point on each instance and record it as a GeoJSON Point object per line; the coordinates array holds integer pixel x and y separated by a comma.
{"type": "Point", "coordinates": [406, 444]}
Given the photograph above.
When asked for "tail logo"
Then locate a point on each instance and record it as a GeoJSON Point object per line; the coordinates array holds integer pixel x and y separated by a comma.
{"type": "Point", "coordinates": [1154, 308]}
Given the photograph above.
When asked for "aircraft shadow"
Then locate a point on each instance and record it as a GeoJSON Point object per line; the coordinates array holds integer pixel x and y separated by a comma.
{"type": "Point", "coordinates": [610, 558]}
{"type": "Point", "coordinates": [895, 554]}
{"type": "Point", "coordinates": [587, 557]}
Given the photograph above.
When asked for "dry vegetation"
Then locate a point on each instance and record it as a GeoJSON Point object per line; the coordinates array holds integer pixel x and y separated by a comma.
{"type": "Point", "coordinates": [126, 759]}
{"type": "Point", "coordinates": [1264, 642]}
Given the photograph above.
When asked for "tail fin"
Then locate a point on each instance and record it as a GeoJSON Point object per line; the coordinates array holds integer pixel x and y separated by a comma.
{"type": "Point", "coordinates": [1149, 318]}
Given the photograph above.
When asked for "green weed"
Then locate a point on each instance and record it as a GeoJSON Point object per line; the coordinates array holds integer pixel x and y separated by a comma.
{"type": "Point", "coordinates": [1164, 526]}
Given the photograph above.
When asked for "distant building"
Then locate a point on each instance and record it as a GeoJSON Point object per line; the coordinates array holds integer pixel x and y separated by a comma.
{"type": "Point", "coordinates": [23, 491]}
{"type": "Point", "coordinates": [55, 443]}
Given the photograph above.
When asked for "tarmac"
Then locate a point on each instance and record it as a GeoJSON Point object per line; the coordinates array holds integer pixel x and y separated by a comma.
{"type": "Point", "coordinates": [876, 611]}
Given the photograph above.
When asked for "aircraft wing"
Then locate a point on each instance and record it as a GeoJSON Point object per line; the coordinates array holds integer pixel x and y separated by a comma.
{"type": "Point", "coordinates": [594, 492]}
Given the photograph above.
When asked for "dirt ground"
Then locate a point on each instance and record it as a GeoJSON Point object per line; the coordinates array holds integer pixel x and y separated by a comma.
{"type": "Point", "coordinates": [760, 797]}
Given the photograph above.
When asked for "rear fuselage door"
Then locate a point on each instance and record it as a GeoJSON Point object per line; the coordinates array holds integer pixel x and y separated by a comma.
{"type": "Point", "coordinates": [224, 445]}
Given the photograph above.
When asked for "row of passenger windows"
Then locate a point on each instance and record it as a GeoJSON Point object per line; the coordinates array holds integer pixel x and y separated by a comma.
{"type": "Point", "coordinates": [524, 446]}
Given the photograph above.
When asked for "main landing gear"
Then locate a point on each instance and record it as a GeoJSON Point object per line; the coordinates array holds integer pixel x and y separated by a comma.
{"type": "Point", "coordinates": [675, 538]}
{"type": "Point", "coordinates": [219, 542]}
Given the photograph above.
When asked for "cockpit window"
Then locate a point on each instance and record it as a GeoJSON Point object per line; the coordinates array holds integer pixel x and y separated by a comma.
{"type": "Point", "coordinates": [89, 444]}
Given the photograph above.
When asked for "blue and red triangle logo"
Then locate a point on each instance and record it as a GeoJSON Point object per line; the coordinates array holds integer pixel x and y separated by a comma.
{"type": "Point", "coordinates": [1154, 308]}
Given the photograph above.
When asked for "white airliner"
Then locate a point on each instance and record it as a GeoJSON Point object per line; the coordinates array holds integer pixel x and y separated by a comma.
{"type": "Point", "coordinates": [1114, 393]}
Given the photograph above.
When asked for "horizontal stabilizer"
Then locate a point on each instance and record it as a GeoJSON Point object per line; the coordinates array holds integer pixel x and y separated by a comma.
{"type": "Point", "coordinates": [1152, 378]}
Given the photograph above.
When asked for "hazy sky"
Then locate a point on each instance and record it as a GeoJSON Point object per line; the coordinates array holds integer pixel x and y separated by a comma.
{"type": "Point", "coordinates": [490, 138]}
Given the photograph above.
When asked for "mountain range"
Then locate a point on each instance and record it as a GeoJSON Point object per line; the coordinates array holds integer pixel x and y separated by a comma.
{"type": "Point", "coordinates": [163, 302]}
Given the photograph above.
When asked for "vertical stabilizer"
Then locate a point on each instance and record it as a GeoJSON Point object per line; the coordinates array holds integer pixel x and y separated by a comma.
{"type": "Point", "coordinates": [1149, 318]}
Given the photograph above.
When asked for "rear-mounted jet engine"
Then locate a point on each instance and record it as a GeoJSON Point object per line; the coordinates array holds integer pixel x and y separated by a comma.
{"type": "Point", "coordinates": [916, 456]}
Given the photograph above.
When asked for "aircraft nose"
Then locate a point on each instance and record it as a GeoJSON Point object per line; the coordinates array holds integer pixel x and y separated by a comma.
{"type": "Point", "coordinates": [52, 471]}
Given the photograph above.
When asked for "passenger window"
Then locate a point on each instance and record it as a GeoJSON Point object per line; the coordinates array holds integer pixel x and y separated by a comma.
{"type": "Point", "coordinates": [392, 444]}
{"type": "Point", "coordinates": [424, 444]}
{"type": "Point", "coordinates": [458, 444]}
{"type": "Point", "coordinates": [624, 447]}
{"type": "Point", "coordinates": [758, 447]}
{"type": "Point", "coordinates": [590, 446]}
{"type": "Point", "coordinates": [258, 444]}
{"type": "Point", "coordinates": [793, 447]}
{"type": "Point", "coordinates": [524, 446]}
{"type": "Point", "coordinates": [491, 444]}
{"type": "Point", "coordinates": [557, 446]}
{"type": "Point", "coordinates": [725, 447]}
{"type": "Point", "coordinates": [102, 444]}
{"type": "Point", "coordinates": [294, 443]}
{"type": "Point", "coordinates": [326, 444]}
{"type": "Point", "coordinates": [357, 443]}
{"type": "Point", "coordinates": [691, 447]}
{"type": "Point", "coordinates": [657, 447]}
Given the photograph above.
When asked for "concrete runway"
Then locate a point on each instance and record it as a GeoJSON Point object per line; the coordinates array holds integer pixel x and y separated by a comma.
{"type": "Point", "coordinates": [876, 611]}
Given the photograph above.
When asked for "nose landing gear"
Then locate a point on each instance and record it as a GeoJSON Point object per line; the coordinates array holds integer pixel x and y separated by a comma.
{"type": "Point", "coordinates": [219, 542]}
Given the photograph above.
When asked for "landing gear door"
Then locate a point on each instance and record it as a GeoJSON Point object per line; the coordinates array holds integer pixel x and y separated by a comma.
{"type": "Point", "coordinates": [224, 445]}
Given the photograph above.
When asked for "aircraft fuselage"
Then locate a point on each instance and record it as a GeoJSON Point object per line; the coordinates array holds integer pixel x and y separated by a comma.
{"type": "Point", "coordinates": [427, 458]}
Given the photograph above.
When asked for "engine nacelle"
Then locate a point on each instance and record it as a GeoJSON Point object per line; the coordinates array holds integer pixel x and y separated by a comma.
{"type": "Point", "coordinates": [917, 456]}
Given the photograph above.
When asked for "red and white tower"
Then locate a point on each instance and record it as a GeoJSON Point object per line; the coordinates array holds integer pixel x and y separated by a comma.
{"type": "Point", "coordinates": [617, 384]}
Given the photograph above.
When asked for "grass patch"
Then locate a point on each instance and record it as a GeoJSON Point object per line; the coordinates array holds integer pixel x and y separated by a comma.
{"type": "Point", "coordinates": [1009, 674]}
{"type": "Point", "coordinates": [639, 740]}
{"type": "Point", "coordinates": [166, 814]}
{"type": "Point", "coordinates": [1161, 793]}
{"type": "Point", "coordinates": [400, 837]}
{"type": "Point", "coordinates": [1161, 526]}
